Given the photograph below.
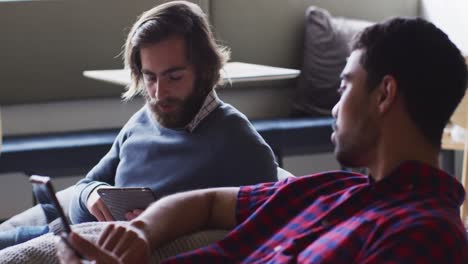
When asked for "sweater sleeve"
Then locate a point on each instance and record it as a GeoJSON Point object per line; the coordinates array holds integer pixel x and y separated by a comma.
{"type": "Point", "coordinates": [252, 160]}
{"type": "Point", "coordinates": [102, 174]}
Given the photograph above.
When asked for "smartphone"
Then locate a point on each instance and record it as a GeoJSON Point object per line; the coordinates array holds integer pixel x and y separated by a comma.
{"type": "Point", "coordinates": [123, 200]}
{"type": "Point", "coordinates": [45, 195]}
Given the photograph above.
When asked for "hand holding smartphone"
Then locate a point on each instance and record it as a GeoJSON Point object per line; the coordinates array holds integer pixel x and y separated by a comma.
{"type": "Point", "coordinates": [123, 200]}
{"type": "Point", "coordinates": [45, 195]}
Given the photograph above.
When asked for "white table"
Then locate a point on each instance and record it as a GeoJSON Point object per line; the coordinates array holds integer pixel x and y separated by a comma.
{"type": "Point", "coordinates": [236, 72]}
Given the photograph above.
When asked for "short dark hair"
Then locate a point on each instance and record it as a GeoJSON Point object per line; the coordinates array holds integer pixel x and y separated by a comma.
{"type": "Point", "coordinates": [430, 71]}
{"type": "Point", "coordinates": [171, 19]}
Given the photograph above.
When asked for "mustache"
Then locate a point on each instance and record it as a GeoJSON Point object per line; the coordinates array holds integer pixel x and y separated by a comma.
{"type": "Point", "coordinates": [167, 100]}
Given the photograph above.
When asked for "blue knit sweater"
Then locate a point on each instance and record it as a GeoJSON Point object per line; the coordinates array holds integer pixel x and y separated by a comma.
{"type": "Point", "coordinates": [223, 150]}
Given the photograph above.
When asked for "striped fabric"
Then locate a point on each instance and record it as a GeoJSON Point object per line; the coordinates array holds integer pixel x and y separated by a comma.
{"type": "Point", "coordinates": [411, 216]}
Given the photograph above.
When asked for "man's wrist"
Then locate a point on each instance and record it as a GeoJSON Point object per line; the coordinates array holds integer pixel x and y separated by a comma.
{"type": "Point", "coordinates": [90, 189]}
{"type": "Point", "coordinates": [145, 230]}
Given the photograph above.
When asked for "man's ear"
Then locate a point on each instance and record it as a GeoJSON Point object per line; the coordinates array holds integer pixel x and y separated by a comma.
{"type": "Point", "coordinates": [387, 93]}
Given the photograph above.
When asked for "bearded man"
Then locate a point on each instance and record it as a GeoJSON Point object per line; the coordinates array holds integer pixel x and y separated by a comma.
{"type": "Point", "coordinates": [185, 137]}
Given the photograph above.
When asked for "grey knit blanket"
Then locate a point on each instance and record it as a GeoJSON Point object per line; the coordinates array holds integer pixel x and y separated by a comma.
{"type": "Point", "coordinates": [43, 250]}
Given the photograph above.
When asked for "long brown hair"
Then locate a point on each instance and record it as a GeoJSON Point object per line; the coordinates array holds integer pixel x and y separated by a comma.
{"type": "Point", "coordinates": [175, 18]}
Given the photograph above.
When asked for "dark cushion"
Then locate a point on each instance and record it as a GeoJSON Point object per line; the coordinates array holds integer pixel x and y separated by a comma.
{"type": "Point", "coordinates": [326, 47]}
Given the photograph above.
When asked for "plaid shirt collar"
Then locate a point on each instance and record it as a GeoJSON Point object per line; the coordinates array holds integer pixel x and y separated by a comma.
{"type": "Point", "coordinates": [209, 105]}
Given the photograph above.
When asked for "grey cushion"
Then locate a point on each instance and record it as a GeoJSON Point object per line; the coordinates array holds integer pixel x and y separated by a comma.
{"type": "Point", "coordinates": [283, 174]}
{"type": "Point", "coordinates": [326, 47]}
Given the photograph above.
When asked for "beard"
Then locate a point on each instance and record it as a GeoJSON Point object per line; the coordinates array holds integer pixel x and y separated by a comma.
{"type": "Point", "coordinates": [352, 149]}
{"type": "Point", "coordinates": [184, 109]}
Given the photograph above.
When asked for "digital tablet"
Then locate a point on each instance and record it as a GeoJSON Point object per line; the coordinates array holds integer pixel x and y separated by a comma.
{"type": "Point", "coordinates": [123, 200]}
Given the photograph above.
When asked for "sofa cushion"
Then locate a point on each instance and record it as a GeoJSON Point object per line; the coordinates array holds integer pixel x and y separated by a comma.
{"type": "Point", "coordinates": [43, 249]}
{"type": "Point", "coordinates": [326, 47]}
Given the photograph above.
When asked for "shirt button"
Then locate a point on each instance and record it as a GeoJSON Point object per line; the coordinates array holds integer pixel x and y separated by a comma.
{"type": "Point", "coordinates": [278, 248]}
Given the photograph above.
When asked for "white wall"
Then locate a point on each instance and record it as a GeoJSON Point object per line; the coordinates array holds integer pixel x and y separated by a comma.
{"type": "Point", "coordinates": [451, 16]}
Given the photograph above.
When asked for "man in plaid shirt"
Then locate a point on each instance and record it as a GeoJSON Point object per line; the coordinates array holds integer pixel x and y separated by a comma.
{"type": "Point", "coordinates": [401, 84]}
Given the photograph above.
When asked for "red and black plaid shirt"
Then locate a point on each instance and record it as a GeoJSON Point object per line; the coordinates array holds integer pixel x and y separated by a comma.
{"type": "Point", "coordinates": [411, 216]}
